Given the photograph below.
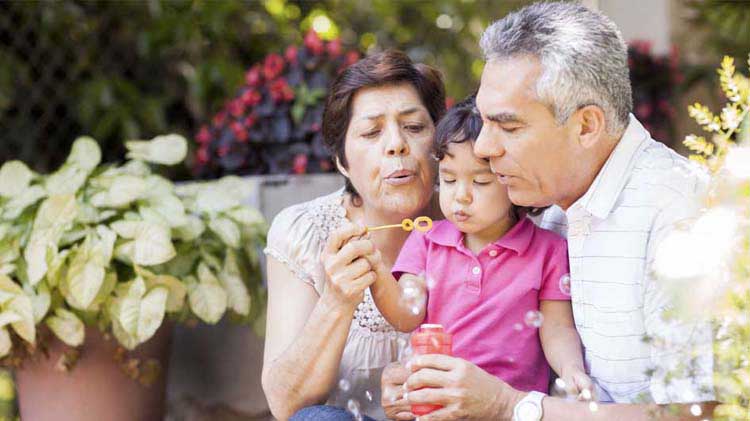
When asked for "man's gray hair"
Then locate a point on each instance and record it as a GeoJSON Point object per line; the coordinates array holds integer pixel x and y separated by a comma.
{"type": "Point", "coordinates": [582, 54]}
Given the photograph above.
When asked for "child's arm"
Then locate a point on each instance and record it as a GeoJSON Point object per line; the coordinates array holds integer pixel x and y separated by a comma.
{"type": "Point", "coordinates": [562, 345]}
{"type": "Point", "coordinates": [389, 297]}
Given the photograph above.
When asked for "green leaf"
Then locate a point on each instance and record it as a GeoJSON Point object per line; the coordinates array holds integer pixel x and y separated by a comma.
{"type": "Point", "coordinates": [238, 298]}
{"type": "Point", "coordinates": [5, 342]}
{"type": "Point", "coordinates": [25, 328]}
{"type": "Point", "coordinates": [166, 150]}
{"type": "Point", "coordinates": [124, 190]}
{"type": "Point", "coordinates": [67, 180]}
{"type": "Point", "coordinates": [168, 208]}
{"type": "Point", "coordinates": [15, 177]}
{"type": "Point", "coordinates": [53, 217]}
{"type": "Point", "coordinates": [8, 316]}
{"type": "Point", "coordinates": [227, 231]}
{"type": "Point", "coordinates": [83, 281]}
{"type": "Point", "coordinates": [67, 327]}
{"type": "Point", "coordinates": [41, 302]}
{"type": "Point", "coordinates": [177, 291]}
{"type": "Point", "coordinates": [208, 302]}
{"type": "Point", "coordinates": [85, 154]}
{"type": "Point", "coordinates": [246, 215]}
{"type": "Point", "coordinates": [151, 313]}
{"type": "Point", "coordinates": [16, 205]}
{"type": "Point", "coordinates": [151, 245]}
{"type": "Point", "coordinates": [190, 230]}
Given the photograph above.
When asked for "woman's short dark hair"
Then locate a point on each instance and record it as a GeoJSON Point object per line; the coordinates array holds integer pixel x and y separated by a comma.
{"type": "Point", "coordinates": [389, 67]}
{"type": "Point", "coordinates": [463, 123]}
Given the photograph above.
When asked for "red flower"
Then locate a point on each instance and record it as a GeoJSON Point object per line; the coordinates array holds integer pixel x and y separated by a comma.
{"type": "Point", "coordinates": [204, 136]}
{"type": "Point", "coordinates": [325, 165]}
{"type": "Point", "coordinates": [253, 76]}
{"type": "Point", "coordinates": [202, 155]}
{"type": "Point", "coordinates": [239, 131]}
{"type": "Point", "coordinates": [237, 108]}
{"type": "Point", "coordinates": [300, 164]}
{"type": "Point", "coordinates": [449, 102]}
{"type": "Point", "coordinates": [273, 66]}
{"type": "Point", "coordinates": [291, 54]}
{"type": "Point", "coordinates": [251, 97]}
{"type": "Point", "coordinates": [334, 48]}
{"type": "Point", "coordinates": [314, 43]}
{"type": "Point", "coordinates": [281, 91]}
{"type": "Point", "coordinates": [351, 58]}
{"type": "Point", "coordinates": [250, 121]}
{"type": "Point", "coordinates": [223, 151]}
{"type": "Point", "coordinates": [315, 127]}
{"type": "Point", "coordinates": [219, 118]}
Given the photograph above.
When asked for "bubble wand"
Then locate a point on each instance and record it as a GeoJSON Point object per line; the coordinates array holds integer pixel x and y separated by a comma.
{"type": "Point", "coordinates": [421, 223]}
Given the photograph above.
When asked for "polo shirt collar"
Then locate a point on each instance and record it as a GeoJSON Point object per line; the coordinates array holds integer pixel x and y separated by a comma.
{"type": "Point", "coordinates": [518, 238]}
{"type": "Point", "coordinates": [602, 195]}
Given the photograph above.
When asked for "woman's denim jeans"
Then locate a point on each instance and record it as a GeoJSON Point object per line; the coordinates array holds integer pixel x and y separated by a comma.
{"type": "Point", "coordinates": [324, 413]}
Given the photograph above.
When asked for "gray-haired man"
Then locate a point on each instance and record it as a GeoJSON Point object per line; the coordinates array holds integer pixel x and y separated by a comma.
{"type": "Point", "coordinates": [555, 100]}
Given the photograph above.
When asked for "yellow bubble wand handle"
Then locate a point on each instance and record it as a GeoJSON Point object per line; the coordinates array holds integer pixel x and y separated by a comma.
{"type": "Point", "coordinates": [421, 223]}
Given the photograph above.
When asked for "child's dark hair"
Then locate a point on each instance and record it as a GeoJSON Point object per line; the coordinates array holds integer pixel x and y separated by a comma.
{"type": "Point", "coordinates": [460, 124]}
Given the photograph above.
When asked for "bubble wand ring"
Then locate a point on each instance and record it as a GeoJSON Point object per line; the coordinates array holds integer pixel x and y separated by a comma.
{"type": "Point", "coordinates": [421, 223]}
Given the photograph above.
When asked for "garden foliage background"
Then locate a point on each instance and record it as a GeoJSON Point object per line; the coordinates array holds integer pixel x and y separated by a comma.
{"type": "Point", "coordinates": [121, 70]}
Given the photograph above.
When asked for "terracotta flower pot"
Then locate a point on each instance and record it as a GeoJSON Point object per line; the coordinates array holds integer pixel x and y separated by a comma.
{"type": "Point", "coordinates": [96, 388]}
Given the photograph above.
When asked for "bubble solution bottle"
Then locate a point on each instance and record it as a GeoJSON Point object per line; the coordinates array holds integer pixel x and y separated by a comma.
{"type": "Point", "coordinates": [430, 339]}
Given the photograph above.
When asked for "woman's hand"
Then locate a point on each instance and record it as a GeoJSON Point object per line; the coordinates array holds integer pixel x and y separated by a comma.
{"type": "Point", "coordinates": [394, 404]}
{"type": "Point", "coordinates": [345, 259]}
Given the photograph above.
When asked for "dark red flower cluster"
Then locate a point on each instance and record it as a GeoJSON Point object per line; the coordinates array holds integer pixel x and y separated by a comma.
{"type": "Point", "coordinates": [251, 132]}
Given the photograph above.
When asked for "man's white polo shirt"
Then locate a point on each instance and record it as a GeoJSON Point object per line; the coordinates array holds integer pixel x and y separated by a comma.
{"type": "Point", "coordinates": [642, 190]}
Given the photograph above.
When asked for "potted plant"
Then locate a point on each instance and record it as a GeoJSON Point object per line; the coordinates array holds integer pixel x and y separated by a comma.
{"type": "Point", "coordinates": [97, 260]}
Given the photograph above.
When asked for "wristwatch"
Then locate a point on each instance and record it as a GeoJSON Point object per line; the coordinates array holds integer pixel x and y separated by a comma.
{"type": "Point", "coordinates": [529, 408]}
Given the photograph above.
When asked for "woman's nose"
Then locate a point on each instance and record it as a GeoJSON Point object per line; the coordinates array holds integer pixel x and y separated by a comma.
{"type": "Point", "coordinates": [396, 145]}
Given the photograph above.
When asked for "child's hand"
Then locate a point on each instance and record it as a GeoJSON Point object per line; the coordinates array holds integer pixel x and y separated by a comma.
{"type": "Point", "coordinates": [578, 383]}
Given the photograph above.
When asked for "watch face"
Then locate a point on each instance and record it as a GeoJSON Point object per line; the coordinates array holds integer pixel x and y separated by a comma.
{"type": "Point", "coordinates": [528, 411]}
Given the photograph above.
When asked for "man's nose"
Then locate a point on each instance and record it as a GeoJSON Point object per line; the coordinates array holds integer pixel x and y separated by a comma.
{"type": "Point", "coordinates": [488, 146]}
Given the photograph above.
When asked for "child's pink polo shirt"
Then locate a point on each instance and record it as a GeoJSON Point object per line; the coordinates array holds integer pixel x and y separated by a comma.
{"type": "Point", "coordinates": [483, 300]}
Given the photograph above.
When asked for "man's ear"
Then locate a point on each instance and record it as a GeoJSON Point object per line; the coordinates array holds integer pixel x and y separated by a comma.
{"type": "Point", "coordinates": [592, 125]}
{"type": "Point", "coordinates": [341, 168]}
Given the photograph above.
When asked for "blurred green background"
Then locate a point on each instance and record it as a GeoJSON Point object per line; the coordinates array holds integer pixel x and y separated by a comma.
{"type": "Point", "coordinates": [134, 69]}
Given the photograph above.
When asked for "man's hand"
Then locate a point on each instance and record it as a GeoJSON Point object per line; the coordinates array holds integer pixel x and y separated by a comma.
{"type": "Point", "coordinates": [394, 404]}
{"type": "Point", "coordinates": [465, 391]}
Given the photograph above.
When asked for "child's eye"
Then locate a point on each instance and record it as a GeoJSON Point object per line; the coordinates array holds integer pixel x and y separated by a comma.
{"type": "Point", "coordinates": [482, 183]}
{"type": "Point", "coordinates": [510, 129]}
{"type": "Point", "coordinates": [415, 128]}
{"type": "Point", "coordinates": [448, 181]}
{"type": "Point", "coordinates": [371, 134]}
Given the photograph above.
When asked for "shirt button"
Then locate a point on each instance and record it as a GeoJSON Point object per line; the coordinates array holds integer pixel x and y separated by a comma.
{"type": "Point", "coordinates": [493, 253]}
{"type": "Point", "coordinates": [476, 270]}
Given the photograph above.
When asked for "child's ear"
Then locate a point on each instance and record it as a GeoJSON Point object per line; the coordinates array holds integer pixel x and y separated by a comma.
{"type": "Point", "coordinates": [341, 168]}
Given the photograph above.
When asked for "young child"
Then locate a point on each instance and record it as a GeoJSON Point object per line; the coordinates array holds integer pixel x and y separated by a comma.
{"type": "Point", "coordinates": [494, 280]}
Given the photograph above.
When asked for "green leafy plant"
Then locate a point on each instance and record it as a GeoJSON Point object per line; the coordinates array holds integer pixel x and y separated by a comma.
{"type": "Point", "coordinates": [121, 248]}
{"type": "Point", "coordinates": [708, 261]}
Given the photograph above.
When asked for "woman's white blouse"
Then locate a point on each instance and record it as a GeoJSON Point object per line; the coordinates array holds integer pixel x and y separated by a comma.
{"type": "Point", "coordinates": [296, 238]}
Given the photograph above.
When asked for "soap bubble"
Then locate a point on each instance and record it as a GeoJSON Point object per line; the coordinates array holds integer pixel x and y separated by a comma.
{"type": "Point", "coordinates": [368, 395]}
{"type": "Point", "coordinates": [344, 385]}
{"type": "Point", "coordinates": [565, 284]}
{"type": "Point", "coordinates": [534, 319]}
{"type": "Point", "coordinates": [593, 407]}
{"type": "Point", "coordinates": [353, 407]}
{"type": "Point", "coordinates": [696, 410]}
{"type": "Point", "coordinates": [413, 295]}
{"type": "Point", "coordinates": [518, 327]}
